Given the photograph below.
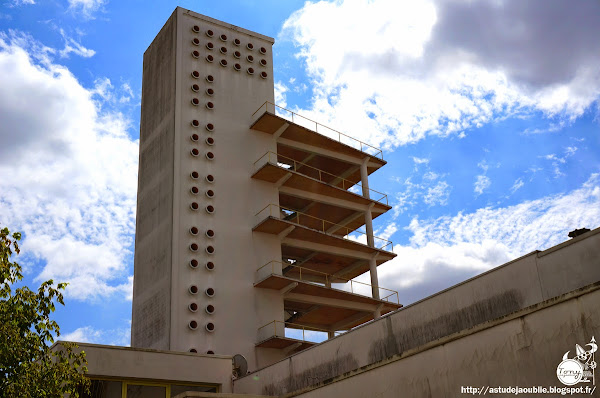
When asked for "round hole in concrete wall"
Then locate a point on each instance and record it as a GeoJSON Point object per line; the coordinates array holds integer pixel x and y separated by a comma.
{"type": "Point", "coordinates": [210, 178]}
{"type": "Point", "coordinates": [210, 292]}
{"type": "Point", "coordinates": [193, 289]}
{"type": "Point", "coordinates": [194, 175]}
{"type": "Point", "coordinates": [209, 58]}
{"type": "Point", "coordinates": [210, 209]}
{"type": "Point", "coordinates": [194, 190]}
{"type": "Point", "coordinates": [195, 74]}
{"type": "Point", "coordinates": [223, 50]}
{"type": "Point", "coordinates": [210, 155]}
{"type": "Point", "coordinates": [263, 75]}
{"type": "Point", "coordinates": [195, 29]}
{"type": "Point", "coordinates": [210, 327]}
{"type": "Point", "coordinates": [210, 193]}
{"type": "Point", "coordinates": [210, 46]}
{"type": "Point", "coordinates": [195, 123]}
{"type": "Point", "coordinates": [237, 42]}
{"type": "Point", "coordinates": [193, 325]}
{"type": "Point", "coordinates": [210, 233]}
{"type": "Point", "coordinates": [195, 101]}
{"type": "Point", "coordinates": [194, 247]}
{"type": "Point", "coordinates": [263, 50]}
{"type": "Point", "coordinates": [210, 127]}
{"type": "Point", "coordinates": [237, 54]}
{"type": "Point", "coordinates": [194, 206]}
{"type": "Point", "coordinates": [210, 78]}
{"type": "Point", "coordinates": [194, 263]}
{"type": "Point", "coordinates": [194, 231]}
{"type": "Point", "coordinates": [209, 33]}
{"type": "Point", "coordinates": [210, 105]}
{"type": "Point", "coordinates": [210, 91]}
{"type": "Point", "coordinates": [210, 352]}
{"type": "Point", "coordinates": [210, 309]}
{"type": "Point", "coordinates": [193, 307]}
{"type": "Point", "coordinates": [263, 62]}
{"type": "Point", "coordinates": [210, 249]}
{"type": "Point", "coordinates": [210, 141]}
{"type": "Point", "coordinates": [196, 42]}
{"type": "Point", "coordinates": [195, 88]}
{"type": "Point", "coordinates": [194, 137]}
{"type": "Point", "coordinates": [250, 58]}
{"type": "Point", "coordinates": [223, 38]}
{"type": "Point", "coordinates": [237, 67]}
{"type": "Point", "coordinates": [250, 71]}
{"type": "Point", "coordinates": [223, 63]}
{"type": "Point", "coordinates": [210, 265]}
{"type": "Point", "coordinates": [193, 350]}
{"type": "Point", "coordinates": [195, 54]}
{"type": "Point", "coordinates": [195, 152]}
{"type": "Point", "coordinates": [250, 46]}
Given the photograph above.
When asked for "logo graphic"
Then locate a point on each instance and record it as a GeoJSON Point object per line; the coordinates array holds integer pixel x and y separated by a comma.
{"type": "Point", "coordinates": [581, 368]}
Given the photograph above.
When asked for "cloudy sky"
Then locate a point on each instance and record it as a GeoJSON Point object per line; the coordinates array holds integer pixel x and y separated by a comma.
{"type": "Point", "coordinates": [488, 113]}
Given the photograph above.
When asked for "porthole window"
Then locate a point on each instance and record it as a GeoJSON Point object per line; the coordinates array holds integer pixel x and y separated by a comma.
{"type": "Point", "coordinates": [194, 247]}
{"type": "Point", "coordinates": [194, 190]}
{"type": "Point", "coordinates": [237, 42]}
{"type": "Point", "coordinates": [237, 54]}
{"type": "Point", "coordinates": [263, 75]}
{"type": "Point", "coordinates": [210, 327]}
{"type": "Point", "coordinates": [210, 127]}
{"type": "Point", "coordinates": [210, 79]}
{"type": "Point", "coordinates": [223, 50]}
{"type": "Point", "coordinates": [237, 67]}
{"type": "Point", "coordinates": [193, 289]}
{"type": "Point", "coordinates": [195, 101]}
{"type": "Point", "coordinates": [195, 88]}
{"type": "Point", "coordinates": [193, 325]}
{"type": "Point", "coordinates": [209, 58]}
{"type": "Point", "coordinates": [210, 249]}
{"type": "Point", "coordinates": [250, 46]}
{"type": "Point", "coordinates": [193, 307]}
{"type": "Point", "coordinates": [223, 62]}
{"type": "Point", "coordinates": [223, 38]}
{"type": "Point", "coordinates": [194, 206]}
{"type": "Point", "coordinates": [195, 74]}
{"type": "Point", "coordinates": [195, 152]}
{"type": "Point", "coordinates": [194, 175]}
{"type": "Point", "coordinates": [210, 292]}
{"type": "Point", "coordinates": [194, 137]}
{"type": "Point", "coordinates": [196, 42]}
{"type": "Point", "coordinates": [195, 123]}
{"type": "Point", "coordinates": [195, 54]}
{"type": "Point", "coordinates": [210, 233]}
{"type": "Point", "coordinates": [209, 33]}
{"type": "Point", "coordinates": [210, 105]}
{"type": "Point", "coordinates": [210, 193]}
{"type": "Point", "coordinates": [195, 29]}
{"type": "Point", "coordinates": [210, 141]}
{"type": "Point", "coordinates": [210, 46]}
{"type": "Point", "coordinates": [210, 265]}
{"type": "Point", "coordinates": [193, 263]}
{"type": "Point", "coordinates": [210, 155]}
{"type": "Point", "coordinates": [250, 58]}
{"type": "Point", "coordinates": [210, 178]}
{"type": "Point", "coordinates": [263, 62]}
{"type": "Point", "coordinates": [263, 50]}
{"type": "Point", "coordinates": [194, 231]}
{"type": "Point", "coordinates": [210, 309]}
{"type": "Point", "coordinates": [210, 209]}
{"type": "Point", "coordinates": [250, 71]}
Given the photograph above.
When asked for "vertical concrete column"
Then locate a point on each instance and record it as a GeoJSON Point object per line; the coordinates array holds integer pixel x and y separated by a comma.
{"type": "Point", "coordinates": [364, 178]}
{"type": "Point", "coordinates": [364, 175]}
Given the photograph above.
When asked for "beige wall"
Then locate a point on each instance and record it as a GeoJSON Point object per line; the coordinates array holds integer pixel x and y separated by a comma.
{"type": "Point", "coordinates": [524, 351]}
{"type": "Point", "coordinates": [511, 287]}
{"type": "Point", "coordinates": [125, 363]}
{"type": "Point", "coordinates": [161, 299]}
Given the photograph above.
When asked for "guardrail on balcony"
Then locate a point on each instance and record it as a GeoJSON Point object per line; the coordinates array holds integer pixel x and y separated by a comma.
{"type": "Point", "coordinates": [318, 174]}
{"type": "Point", "coordinates": [285, 329]}
{"type": "Point", "coordinates": [319, 128]}
{"type": "Point", "coordinates": [305, 220]}
{"type": "Point", "coordinates": [276, 267]}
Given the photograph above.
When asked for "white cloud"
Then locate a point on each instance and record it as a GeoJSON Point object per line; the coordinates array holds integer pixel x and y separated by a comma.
{"type": "Point", "coordinates": [517, 185]}
{"type": "Point", "coordinates": [394, 72]}
{"type": "Point", "coordinates": [17, 3]}
{"type": "Point", "coordinates": [71, 46]}
{"type": "Point", "coordinates": [481, 184]}
{"type": "Point", "coordinates": [558, 160]}
{"type": "Point", "coordinates": [87, 334]}
{"type": "Point", "coordinates": [69, 173]}
{"type": "Point", "coordinates": [449, 249]}
{"type": "Point", "coordinates": [438, 194]}
{"type": "Point", "coordinates": [87, 8]}
{"type": "Point", "coordinates": [280, 96]}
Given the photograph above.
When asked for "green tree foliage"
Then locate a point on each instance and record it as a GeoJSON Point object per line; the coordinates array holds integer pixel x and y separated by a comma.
{"type": "Point", "coordinates": [28, 367]}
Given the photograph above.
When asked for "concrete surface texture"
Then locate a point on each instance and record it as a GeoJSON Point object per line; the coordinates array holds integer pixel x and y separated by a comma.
{"type": "Point", "coordinates": [530, 280]}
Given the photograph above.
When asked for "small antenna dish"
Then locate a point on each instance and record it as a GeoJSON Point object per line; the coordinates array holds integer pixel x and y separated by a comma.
{"type": "Point", "coordinates": [240, 365]}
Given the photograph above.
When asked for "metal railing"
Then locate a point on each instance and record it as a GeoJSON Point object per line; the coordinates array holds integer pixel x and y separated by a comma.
{"type": "Point", "coordinates": [321, 129]}
{"type": "Point", "coordinates": [323, 176]}
{"type": "Point", "coordinates": [329, 279]}
{"type": "Point", "coordinates": [278, 329]}
{"type": "Point", "coordinates": [291, 215]}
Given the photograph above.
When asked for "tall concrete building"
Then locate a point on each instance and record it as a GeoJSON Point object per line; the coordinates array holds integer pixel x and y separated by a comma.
{"type": "Point", "coordinates": [247, 216]}
{"type": "Point", "coordinates": [247, 242]}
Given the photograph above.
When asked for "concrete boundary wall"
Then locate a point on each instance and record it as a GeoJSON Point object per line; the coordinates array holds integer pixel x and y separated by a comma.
{"type": "Point", "coordinates": [509, 288]}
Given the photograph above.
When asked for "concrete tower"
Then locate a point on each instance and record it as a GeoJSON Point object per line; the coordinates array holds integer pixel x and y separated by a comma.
{"type": "Point", "coordinates": [245, 216]}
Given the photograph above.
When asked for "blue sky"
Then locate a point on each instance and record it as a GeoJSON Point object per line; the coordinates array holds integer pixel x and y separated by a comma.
{"type": "Point", "coordinates": [488, 113]}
